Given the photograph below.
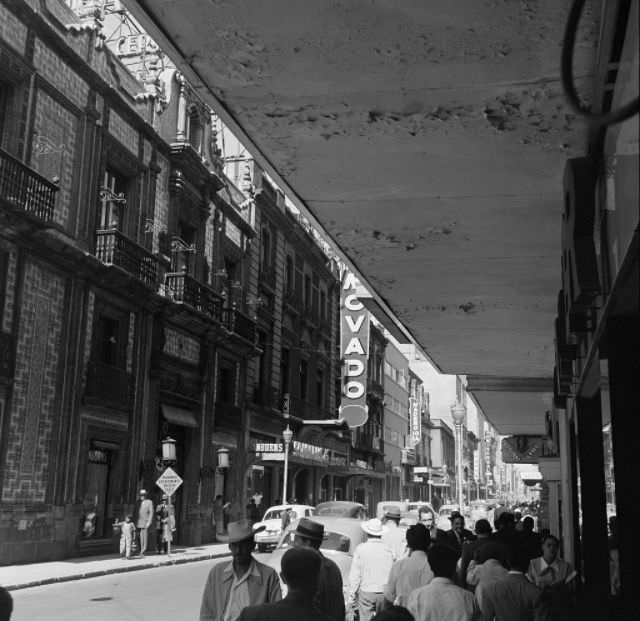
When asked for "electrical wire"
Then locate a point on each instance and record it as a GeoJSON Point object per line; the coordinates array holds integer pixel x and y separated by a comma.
{"type": "Point", "coordinates": [568, 44]}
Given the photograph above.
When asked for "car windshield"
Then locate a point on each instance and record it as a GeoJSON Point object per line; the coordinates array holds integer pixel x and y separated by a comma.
{"type": "Point", "coordinates": [332, 541]}
{"type": "Point", "coordinates": [274, 514]}
{"type": "Point", "coordinates": [336, 509]}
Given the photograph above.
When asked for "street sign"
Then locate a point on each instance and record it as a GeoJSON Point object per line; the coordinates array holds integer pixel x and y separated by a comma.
{"type": "Point", "coordinates": [169, 481]}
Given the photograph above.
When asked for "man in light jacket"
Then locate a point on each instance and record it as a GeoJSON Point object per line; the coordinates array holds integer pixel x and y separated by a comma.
{"type": "Point", "coordinates": [145, 517]}
{"type": "Point", "coordinates": [244, 581]}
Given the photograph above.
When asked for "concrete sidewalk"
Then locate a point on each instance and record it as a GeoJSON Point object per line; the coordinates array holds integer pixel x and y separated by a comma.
{"type": "Point", "coordinates": [36, 574]}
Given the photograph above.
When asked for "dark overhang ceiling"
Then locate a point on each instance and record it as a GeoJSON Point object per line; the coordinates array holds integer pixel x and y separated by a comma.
{"type": "Point", "coordinates": [428, 139]}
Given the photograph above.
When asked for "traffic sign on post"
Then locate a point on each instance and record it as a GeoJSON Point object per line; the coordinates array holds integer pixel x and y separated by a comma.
{"type": "Point", "coordinates": [169, 481]}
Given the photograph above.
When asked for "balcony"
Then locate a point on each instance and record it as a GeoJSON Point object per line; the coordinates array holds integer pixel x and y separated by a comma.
{"type": "Point", "coordinates": [6, 356]}
{"type": "Point", "coordinates": [183, 289]}
{"type": "Point", "coordinates": [227, 416]}
{"type": "Point", "coordinates": [239, 323]}
{"type": "Point", "coordinates": [307, 411]}
{"type": "Point", "coordinates": [25, 190]}
{"type": "Point", "coordinates": [309, 316]}
{"type": "Point", "coordinates": [109, 384]}
{"type": "Point", "coordinates": [293, 299]}
{"type": "Point", "coordinates": [115, 248]}
{"type": "Point", "coordinates": [267, 395]}
{"type": "Point", "coordinates": [267, 277]}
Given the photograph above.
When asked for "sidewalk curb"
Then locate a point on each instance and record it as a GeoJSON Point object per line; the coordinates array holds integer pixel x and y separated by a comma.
{"type": "Point", "coordinates": [116, 570]}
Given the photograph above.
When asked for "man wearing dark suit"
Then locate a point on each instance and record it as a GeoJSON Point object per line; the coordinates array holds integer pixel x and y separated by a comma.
{"type": "Point", "coordinates": [458, 534]}
{"type": "Point", "coordinates": [470, 548]}
{"type": "Point", "coordinates": [329, 597]}
{"type": "Point", "coordinates": [514, 597]}
{"type": "Point", "coordinates": [300, 568]}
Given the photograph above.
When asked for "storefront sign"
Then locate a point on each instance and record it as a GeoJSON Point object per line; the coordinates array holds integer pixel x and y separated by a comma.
{"type": "Point", "coordinates": [416, 421]}
{"type": "Point", "coordinates": [354, 350]}
{"type": "Point", "coordinates": [360, 463]}
{"type": "Point", "coordinates": [262, 447]}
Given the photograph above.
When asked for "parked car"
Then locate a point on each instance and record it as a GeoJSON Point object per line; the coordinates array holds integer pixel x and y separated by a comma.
{"type": "Point", "coordinates": [342, 535]}
{"type": "Point", "coordinates": [272, 519]}
{"type": "Point", "coordinates": [443, 522]}
{"type": "Point", "coordinates": [383, 506]}
{"type": "Point", "coordinates": [341, 508]}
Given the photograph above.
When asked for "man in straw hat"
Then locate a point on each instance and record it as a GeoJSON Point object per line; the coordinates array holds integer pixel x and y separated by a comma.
{"type": "Point", "coordinates": [242, 582]}
{"type": "Point", "coordinates": [372, 561]}
{"type": "Point", "coordinates": [300, 572]}
{"type": "Point", "coordinates": [329, 597]}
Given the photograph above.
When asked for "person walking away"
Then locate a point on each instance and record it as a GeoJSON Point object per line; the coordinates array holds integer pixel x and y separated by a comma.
{"type": "Point", "coordinates": [145, 517]}
{"type": "Point", "coordinates": [243, 581]}
{"type": "Point", "coordinates": [394, 536]}
{"type": "Point", "coordinates": [458, 534]}
{"type": "Point", "coordinates": [506, 533]}
{"type": "Point", "coordinates": [529, 539]}
{"type": "Point", "coordinates": [300, 568]}
{"type": "Point", "coordinates": [329, 596]}
{"type": "Point", "coordinates": [556, 576]}
{"type": "Point", "coordinates": [470, 548]}
{"type": "Point", "coordinates": [489, 565]}
{"type": "Point", "coordinates": [127, 535]}
{"type": "Point", "coordinates": [370, 568]}
{"type": "Point", "coordinates": [428, 518]}
{"type": "Point", "coordinates": [409, 572]}
{"type": "Point", "coordinates": [514, 597]}
{"type": "Point", "coordinates": [441, 599]}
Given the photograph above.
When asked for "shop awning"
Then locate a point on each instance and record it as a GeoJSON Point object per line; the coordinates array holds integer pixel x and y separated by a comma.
{"type": "Point", "coordinates": [178, 416]}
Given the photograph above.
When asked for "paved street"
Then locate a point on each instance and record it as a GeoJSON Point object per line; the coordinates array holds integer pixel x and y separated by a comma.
{"type": "Point", "coordinates": [170, 593]}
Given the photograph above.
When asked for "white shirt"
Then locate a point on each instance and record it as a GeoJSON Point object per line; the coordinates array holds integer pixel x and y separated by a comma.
{"type": "Point", "coordinates": [484, 574]}
{"type": "Point", "coordinates": [239, 594]}
{"type": "Point", "coordinates": [370, 568]}
{"type": "Point", "coordinates": [407, 574]}
{"type": "Point", "coordinates": [543, 574]}
{"type": "Point", "coordinates": [396, 538]}
{"type": "Point", "coordinates": [441, 599]}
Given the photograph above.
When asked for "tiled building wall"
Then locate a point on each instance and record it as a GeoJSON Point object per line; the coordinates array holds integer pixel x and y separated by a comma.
{"type": "Point", "coordinates": [12, 30]}
{"type": "Point", "coordinates": [34, 391]}
{"type": "Point", "coordinates": [54, 150]}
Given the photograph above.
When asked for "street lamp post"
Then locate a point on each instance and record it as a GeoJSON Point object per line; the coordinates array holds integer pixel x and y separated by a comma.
{"type": "Point", "coordinates": [287, 434]}
{"type": "Point", "coordinates": [458, 413]}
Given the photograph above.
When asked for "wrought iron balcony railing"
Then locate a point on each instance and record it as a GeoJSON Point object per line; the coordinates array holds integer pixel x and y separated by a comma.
{"type": "Point", "coordinates": [241, 324]}
{"type": "Point", "coordinates": [184, 289]}
{"type": "Point", "coordinates": [115, 248]}
{"type": "Point", "coordinates": [268, 276]}
{"type": "Point", "coordinates": [293, 299]}
{"type": "Point", "coordinates": [267, 395]}
{"type": "Point", "coordinates": [26, 190]}
{"type": "Point", "coordinates": [307, 411]}
{"type": "Point", "coordinates": [109, 384]}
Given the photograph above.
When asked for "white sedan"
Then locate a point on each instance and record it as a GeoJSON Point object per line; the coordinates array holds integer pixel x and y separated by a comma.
{"type": "Point", "coordinates": [341, 536]}
{"type": "Point", "coordinates": [272, 521]}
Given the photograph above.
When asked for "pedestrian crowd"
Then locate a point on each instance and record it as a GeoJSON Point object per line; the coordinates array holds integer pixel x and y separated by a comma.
{"type": "Point", "coordinates": [418, 574]}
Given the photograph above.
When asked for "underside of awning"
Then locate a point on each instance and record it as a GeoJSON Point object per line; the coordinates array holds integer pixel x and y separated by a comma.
{"type": "Point", "coordinates": [178, 416]}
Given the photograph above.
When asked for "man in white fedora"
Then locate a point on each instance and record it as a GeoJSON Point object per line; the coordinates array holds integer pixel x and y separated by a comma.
{"type": "Point", "coordinates": [372, 561]}
{"type": "Point", "coordinates": [145, 517]}
{"type": "Point", "coordinates": [242, 582]}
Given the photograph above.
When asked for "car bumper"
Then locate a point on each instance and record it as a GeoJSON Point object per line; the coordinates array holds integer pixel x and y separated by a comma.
{"type": "Point", "coordinates": [267, 537]}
